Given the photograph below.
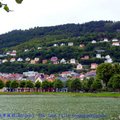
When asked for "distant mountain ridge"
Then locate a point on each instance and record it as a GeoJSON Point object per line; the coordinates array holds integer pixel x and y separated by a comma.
{"type": "Point", "coordinates": [17, 37]}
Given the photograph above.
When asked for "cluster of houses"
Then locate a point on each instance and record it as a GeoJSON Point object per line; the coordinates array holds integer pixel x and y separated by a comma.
{"type": "Point", "coordinates": [35, 76]}
{"type": "Point", "coordinates": [54, 59]}
{"type": "Point", "coordinates": [115, 42]}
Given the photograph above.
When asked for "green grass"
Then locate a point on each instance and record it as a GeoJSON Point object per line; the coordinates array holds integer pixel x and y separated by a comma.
{"type": "Point", "coordinates": [59, 104]}
{"type": "Point", "coordinates": [100, 94]}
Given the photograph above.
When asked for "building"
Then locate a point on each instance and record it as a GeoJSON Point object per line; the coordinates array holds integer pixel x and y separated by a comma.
{"type": "Point", "coordinates": [79, 67]}
{"type": "Point", "coordinates": [70, 44]}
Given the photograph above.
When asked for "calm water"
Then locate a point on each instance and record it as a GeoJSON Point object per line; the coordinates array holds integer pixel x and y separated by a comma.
{"type": "Point", "coordinates": [49, 107]}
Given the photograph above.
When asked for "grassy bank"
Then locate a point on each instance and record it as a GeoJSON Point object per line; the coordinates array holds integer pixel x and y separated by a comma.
{"type": "Point", "coordinates": [100, 94]}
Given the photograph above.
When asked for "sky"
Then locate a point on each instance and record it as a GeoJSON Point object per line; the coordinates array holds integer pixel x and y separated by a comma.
{"type": "Point", "coordinates": [32, 13]}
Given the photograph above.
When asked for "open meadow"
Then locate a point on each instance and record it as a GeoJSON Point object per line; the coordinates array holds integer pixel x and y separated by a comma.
{"type": "Point", "coordinates": [58, 107]}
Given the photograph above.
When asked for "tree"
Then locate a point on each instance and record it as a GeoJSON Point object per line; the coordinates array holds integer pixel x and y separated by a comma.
{"type": "Point", "coordinates": [5, 6]}
{"type": "Point", "coordinates": [114, 82]}
{"type": "Point", "coordinates": [14, 84]}
{"type": "Point", "coordinates": [1, 84]}
{"type": "Point", "coordinates": [97, 85]}
{"type": "Point", "coordinates": [87, 83]}
{"type": "Point", "coordinates": [38, 85]}
{"type": "Point", "coordinates": [8, 84]}
{"type": "Point", "coordinates": [68, 84]}
{"type": "Point", "coordinates": [76, 85]}
{"type": "Point", "coordinates": [29, 84]}
{"type": "Point", "coordinates": [22, 84]}
{"type": "Point", "coordinates": [45, 85]}
{"type": "Point", "coordinates": [104, 72]}
{"type": "Point", "coordinates": [58, 84]}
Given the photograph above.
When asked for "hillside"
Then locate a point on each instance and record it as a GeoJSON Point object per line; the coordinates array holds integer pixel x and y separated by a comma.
{"type": "Point", "coordinates": [17, 37]}
{"type": "Point", "coordinates": [98, 40]}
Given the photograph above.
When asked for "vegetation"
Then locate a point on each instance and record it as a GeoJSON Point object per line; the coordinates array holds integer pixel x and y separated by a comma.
{"type": "Point", "coordinates": [5, 6]}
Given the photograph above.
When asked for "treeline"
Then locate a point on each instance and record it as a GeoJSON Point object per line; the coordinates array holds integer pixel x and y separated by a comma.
{"type": "Point", "coordinates": [42, 68]}
{"type": "Point", "coordinates": [99, 28]}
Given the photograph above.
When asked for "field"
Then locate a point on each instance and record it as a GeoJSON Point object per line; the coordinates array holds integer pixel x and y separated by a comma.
{"type": "Point", "coordinates": [58, 107]}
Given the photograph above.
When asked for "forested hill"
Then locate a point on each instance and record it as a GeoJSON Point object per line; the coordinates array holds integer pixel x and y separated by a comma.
{"type": "Point", "coordinates": [101, 28]}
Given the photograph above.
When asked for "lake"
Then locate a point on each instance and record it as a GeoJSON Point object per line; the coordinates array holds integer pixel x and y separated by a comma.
{"type": "Point", "coordinates": [58, 107]}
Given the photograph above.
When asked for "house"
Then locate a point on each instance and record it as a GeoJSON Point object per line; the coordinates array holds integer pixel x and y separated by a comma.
{"type": "Point", "coordinates": [27, 59]}
{"type": "Point", "coordinates": [26, 50]}
{"type": "Point", "coordinates": [93, 41]}
{"type": "Point", "coordinates": [70, 44]}
{"type": "Point", "coordinates": [114, 40]}
{"type": "Point", "coordinates": [55, 45]}
{"type": "Point", "coordinates": [12, 60]}
{"type": "Point", "coordinates": [82, 45]}
{"type": "Point", "coordinates": [82, 76]}
{"type": "Point", "coordinates": [98, 55]}
{"type": "Point", "coordinates": [63, 61]}
{"type": "Point", "coordinates": [54, 59]}
{"type": "Point", "coordinates": [94, 66]}
{"type": "Point", "coordinates": [39, 48]}
{"type": "Point", "coordinates": [115, 44]}
{"type": "Point", "coordinates": [37, 59]}
{"type": "Point", "coordinates": [72, 61]}
{"type": "Point", "coordinates": [62, 44]}
{"type": "Point", "coordinates": [105, 40]}
{"type": "Point", "coordinates": [40, 78]}
{"type": "Point", "coordinates": [33, 62]}
{"type": "Point", "coordinates": [79, 67]}
{"type": "Point", "coordinates": [108, 60]}
{"type": "Point", "coordinates": [4, 60]}
{"type": "Point", "coordinates": [20, 60]}
{"type": "Point", "coordinates": [66, 74]}
{"type": "Point", "coordinates": [107, 56]}
{"type": "Point", "coordinates": [8, 53]}
{"type": "Point", "coordinates": [86, 57]}
{"type": "Point", "coordinates": [13, 53]}
{"type": "Point", "coordinates": [44, 61]}
{"type": "Point", "coordinates": [90, 74]}
{"type": "Point", "coordinates": [30, 73]}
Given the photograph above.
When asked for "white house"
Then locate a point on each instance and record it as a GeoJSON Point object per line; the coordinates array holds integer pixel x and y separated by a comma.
{"type": "Point", "coordinates": [79, 67]}
{"type": "Point", "coordinates": [55, 45]}
{"type": "Point", "coordinates": [93, 41]}
{"type": "Point", "coordinates": [105, 40]}
{"type": "Point", "coordinates": [114, 40]}
{"type": "Point", "coordinates": [4, 60]}
{"type": "Point", "coordinates": [115, 44]}
{"type": "Point", "coordinates": [62, 44]}
{"type": "Point", "coordinates": [19, 59]}
{"type": "Point", "coordinates": [27, 59]}
{"type": "Point", "coordinates": [72, 61]}
{"type": "Point", "coordinates": [12, 60]}
{"type": "Point", "coordinates": [70, 44]}
{"type": "Point", "coordinates": [107, 56]}
{"type": "Point", "coordinates": [98, 55]}
{"type": "Point", "coordinates": [63, 61]}
{"type": "Point", "coordinates": [108, 60]}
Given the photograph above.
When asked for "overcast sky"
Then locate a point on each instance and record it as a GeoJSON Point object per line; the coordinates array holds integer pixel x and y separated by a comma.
{"type": "Point", "coordinates": [33, 13]}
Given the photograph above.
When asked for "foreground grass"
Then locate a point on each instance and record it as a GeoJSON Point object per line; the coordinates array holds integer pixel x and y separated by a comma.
{"type": "Point", "coordinates": [59, 106]}
{"type": "Point", "coordinates": [100, 94]}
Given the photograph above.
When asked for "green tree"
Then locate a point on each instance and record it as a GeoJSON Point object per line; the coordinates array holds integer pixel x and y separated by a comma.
{"type": "Point", "coordinates": [8, 84]}
{"type": "Point", "coordinates": [68, 84]}
{"type": "Point", "coordinates": [76, 85]}
{"type": "Point", "coordinates": [29, 84]}
{"type": "Point", "coordinates": [87, 83]}
{"type": "Point", "coordinates": [14, 84]}
{"type": "Point", "coordinates": [104, 72]}
{"type": "Point", "coordinates": [38, 85]}
{"type": "Point", "coordinates": [22, 84]}
{"type": "Point", "coordinates": [114, 82]}
{"type": "Point", "coordinates": [58, 84]}
{"type": "Point", "coordinates": [1, 84]}
{"type": "Point", "coordinates": [5, 6]}
{"type": "Point", "coordinates": [45, 85]}
{"type": "Point", "coordinates": [97, 85]}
